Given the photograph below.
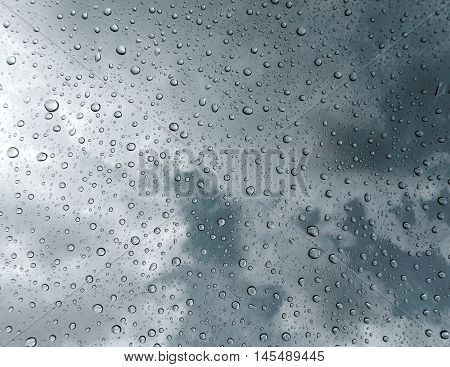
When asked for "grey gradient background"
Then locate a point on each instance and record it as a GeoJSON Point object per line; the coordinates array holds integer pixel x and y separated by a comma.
{"type": "Point", "coordinates": [376, 181]}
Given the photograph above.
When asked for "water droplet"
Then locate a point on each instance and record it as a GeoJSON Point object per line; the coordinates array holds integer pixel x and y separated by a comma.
{"type": "Point", "coordinates": [121, 50]}
{"type": "Point", "coordinates": [314, 253]}
{"type": "Point", "coordinates": [393, 263]}
{"type": "Point", "coordinates": [353, 77]}
{"type": "Point", "coordinates": [333, 259]}
{"type": "Point", "coordinates": [135, 70]}
{"type": "Point", "coordinates": [173, 126]}
{"type": "Point", "coordinates": [31, 342]}
{"type": "Point", "coordinates": [287, 139]}
{"type": "Point", "coordinates": [41, 157]}
{"type": "Point", "coordinates": [251, 291]}
{"type": "Point", "coordinates": [313, 231]}
{"type": "Point", "coordinates": [250, 190]}
{"type": "Point", "coordinates": [116, 329]}
{"type": "Point", "coordinates": [247, 110]}
{"type": "Point", "coordinates": [301, 31]}
{"type": "Point", "coordinates": [98, 308]}
{"type": "Point", "coordinates": [51, 105]}
{"type": "Point", "coordinates": [95, 107]}
{"type": "Point", "coordinates": [11, 60]}
{"type": "Point", "coordinates": [442, 201]}
{"type": "Point", "coordinates": [12, 152]}
{"type": "Point", "coordinates": [101, 251]}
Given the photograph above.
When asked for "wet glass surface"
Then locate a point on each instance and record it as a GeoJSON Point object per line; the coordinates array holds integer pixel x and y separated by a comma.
{"type": "Point", "coordinates": [224, 173]}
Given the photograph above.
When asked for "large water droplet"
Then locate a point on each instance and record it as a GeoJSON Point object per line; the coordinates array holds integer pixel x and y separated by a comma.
{"type": "Point", "coordinates": [31, 342]}
{"type": "Point", "coordinates": [51, 105]}
{"type": "Point", "coordinates": [313, 231]}
{"type": "Point", "coordinates": [314, 253]}
{"type": "Point", "coordinates": [11, 60]}
{"type": "Point", "coordinates": [301, 31]}
{"type": "Point", "coordinates": [41, 157]}
{"type": "Point", "coordinates": [12, 152]}
{"type": "Point", "coordinates": [247, 110]}
{"type": "Point", "coordinates": [121, 50]}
